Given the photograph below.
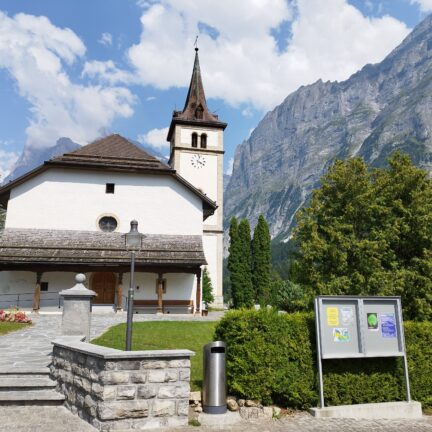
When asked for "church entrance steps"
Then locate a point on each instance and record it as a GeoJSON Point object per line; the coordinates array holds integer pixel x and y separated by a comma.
{"type": "Point", "coordinates": [103, 309]}
{"type": "Point", "coordinates": [28, 386]}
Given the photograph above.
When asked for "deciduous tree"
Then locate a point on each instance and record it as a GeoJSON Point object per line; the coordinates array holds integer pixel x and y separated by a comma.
{"type": "Point", "coordinates": [369, 232]}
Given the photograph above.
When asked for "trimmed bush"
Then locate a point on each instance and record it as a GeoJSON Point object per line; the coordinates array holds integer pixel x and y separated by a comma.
{"type": "Point", "coordinates": [271, 357]}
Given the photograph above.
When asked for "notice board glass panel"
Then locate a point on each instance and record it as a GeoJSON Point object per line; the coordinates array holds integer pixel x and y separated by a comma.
{"type": "Point", "coordinates": [339, 323]}
{"type": "Point", "coordinates": [381, 328]}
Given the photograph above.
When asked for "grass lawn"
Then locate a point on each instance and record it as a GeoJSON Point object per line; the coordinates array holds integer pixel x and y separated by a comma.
{"type": "Point", "coordinates": [7, 327]}
{"type": "Point", "coordinates": [156, 335]}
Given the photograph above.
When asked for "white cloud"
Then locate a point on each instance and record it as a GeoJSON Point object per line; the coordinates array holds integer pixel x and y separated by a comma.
{"type": "Point", "coordinates": [36, 54]}
{"type": "Point", "coordinates": [106, 39]}
{"type": "Point", "coordinates": [242, 64]}
{"type": "Point", "coordinates": [424, 5]}
{"type": "Point", "coordinates": [7, 160]}
{"type": "Point", "coordinates": [150, 98]}
{"type": "Point", "coordinates": [230, 167]}
{"type": "Point", "coordinates": [155, 138]}
{"type": "Point", "coordinates": [106, 71]}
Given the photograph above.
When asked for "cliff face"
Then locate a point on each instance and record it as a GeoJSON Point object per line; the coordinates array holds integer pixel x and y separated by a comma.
{"type": "Point", "coordinates": [380, 109]}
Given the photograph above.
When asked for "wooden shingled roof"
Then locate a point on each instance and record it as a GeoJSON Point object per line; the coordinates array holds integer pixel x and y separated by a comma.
{"type": "Point", "coordinates": [112, 151]}
{"type": "Point", "coordinates": [48, 247]}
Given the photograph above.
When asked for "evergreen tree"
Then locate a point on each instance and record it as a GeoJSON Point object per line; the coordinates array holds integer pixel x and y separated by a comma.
{"type": "Point", "coordinates": [261, 262]}
{"type": "Point", "coordinates": [207, 289]}
{"type": "Point", "coordinates": [244, 278]}
{"type": "Point", "coordinates": [2, 217]}
{"type": "Point", "coordinates": [370, 233]}
{"type": "Point", "coordinates": [233, 263]}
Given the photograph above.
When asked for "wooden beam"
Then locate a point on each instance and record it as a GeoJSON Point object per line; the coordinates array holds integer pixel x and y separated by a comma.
{"type": "Point", "coordinates": [160, 294]}
{"type": "Point", "coordinates": [85, 268]}
{"type": "Point", "coordinates": [198, 294]}
{"type": "Point", "coordinates": [119, 293]}
{"type": "Point", "coordinates": [36, 295]}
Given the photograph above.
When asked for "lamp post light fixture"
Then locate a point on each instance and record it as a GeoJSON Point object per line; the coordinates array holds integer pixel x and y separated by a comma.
{"type": "Point", "coordinates": [133, 242]}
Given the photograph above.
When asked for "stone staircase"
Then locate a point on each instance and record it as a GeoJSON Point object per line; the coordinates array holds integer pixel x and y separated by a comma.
{"type": "Point", "coordinates": [28, 386]}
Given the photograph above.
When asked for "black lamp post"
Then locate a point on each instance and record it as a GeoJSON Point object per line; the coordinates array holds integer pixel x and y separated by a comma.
{"type": "Point", "coordinates": [133, 241]}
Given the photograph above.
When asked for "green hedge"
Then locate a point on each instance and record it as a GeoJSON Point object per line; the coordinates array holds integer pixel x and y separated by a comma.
{"type": "Point", "coordinates": [272, 358]}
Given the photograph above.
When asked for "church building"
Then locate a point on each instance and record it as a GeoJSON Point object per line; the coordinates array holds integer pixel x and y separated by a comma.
{"type": "Point", "coordinates": [70, 215]}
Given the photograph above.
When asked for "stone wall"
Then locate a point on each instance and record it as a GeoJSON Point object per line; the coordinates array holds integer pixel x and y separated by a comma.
{"type": "Point", "coordinates": [114, 389]}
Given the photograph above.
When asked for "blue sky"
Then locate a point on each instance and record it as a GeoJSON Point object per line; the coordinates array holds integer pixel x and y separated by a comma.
{"type": "Point", "coordinates": [81, 68]}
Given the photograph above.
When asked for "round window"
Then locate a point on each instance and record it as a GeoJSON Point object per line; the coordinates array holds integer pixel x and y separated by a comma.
{"type": "Point", "coordinates": [107, 223]}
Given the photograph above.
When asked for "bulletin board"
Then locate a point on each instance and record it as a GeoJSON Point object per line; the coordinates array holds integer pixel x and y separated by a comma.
{"type": "Point", "coordinates": [359, 327]}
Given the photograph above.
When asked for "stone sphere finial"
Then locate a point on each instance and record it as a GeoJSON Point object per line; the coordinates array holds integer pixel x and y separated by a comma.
{"type": "Point", "coordinates": [80, 278]}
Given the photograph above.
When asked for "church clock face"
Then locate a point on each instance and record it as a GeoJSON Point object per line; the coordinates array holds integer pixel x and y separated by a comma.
{"type": "Point", "coordinates": [198, 161]}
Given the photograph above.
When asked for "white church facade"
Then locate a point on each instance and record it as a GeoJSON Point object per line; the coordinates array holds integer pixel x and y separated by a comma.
{"type": "Point", "coordinates": [69, 215]}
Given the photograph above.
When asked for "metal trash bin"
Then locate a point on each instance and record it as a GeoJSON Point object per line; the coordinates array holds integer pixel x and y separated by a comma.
{"type": "Point", "coordinates": [214, 383]}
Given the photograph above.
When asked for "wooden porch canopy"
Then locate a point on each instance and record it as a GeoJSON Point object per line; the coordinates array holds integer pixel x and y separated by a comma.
{"type": "Point", "coordinates": [41, 251]}
{"type": "Point", "coordinates": [67, 250]}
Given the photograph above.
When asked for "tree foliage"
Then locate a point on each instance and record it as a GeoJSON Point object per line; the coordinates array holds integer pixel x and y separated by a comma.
{"type": "Point", "coordinates": [239, 264]}
{"type": "Point", "coordinates": [2, 217]}
{"type": "Point", "coordinates": [261, 262]}
{"type": "Point", "coordinates": [207, 289]}
{"type": "Point", "coordinates": [369, 232]}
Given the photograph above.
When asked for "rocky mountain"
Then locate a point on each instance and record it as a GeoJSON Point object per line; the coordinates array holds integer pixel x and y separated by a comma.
{"type": "Point", "coordinates": [382, 108]}
{"type": "Point", "coordinates": [32, 157]}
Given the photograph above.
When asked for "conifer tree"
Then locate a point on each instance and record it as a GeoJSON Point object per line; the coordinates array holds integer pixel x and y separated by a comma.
{"type": "Point", "coordinates": [233, 263]}
{"type": "Point", "coordinates": [207, 290]}
{"type": "Point", "coordinates": [261, 262]}
{"type": "Point", "coordinates": [244, 278]}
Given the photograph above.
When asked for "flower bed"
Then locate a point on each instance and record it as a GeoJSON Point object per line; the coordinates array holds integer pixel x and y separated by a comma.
{"type": "Point", "coordinates": [14, 315]}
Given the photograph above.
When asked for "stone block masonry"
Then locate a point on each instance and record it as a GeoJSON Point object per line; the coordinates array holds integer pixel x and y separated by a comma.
{"type": "Point", "coordinates": [114, 389]}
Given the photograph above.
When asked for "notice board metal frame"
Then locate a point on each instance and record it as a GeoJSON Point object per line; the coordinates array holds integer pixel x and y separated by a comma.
{"type": "Point", "coordinates": [361, 326]}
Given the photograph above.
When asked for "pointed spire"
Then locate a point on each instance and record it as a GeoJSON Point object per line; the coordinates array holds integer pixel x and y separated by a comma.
{"type": "Point", "coordinates": [196, 105]}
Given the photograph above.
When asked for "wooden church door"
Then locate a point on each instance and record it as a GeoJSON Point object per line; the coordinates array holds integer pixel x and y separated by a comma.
{"type": "Point", "coordinates": [104, 284]}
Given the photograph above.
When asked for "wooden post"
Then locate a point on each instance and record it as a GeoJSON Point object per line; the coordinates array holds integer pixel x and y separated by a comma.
{"type": "Point", "coordinates": [36, 295]}
{"type": "Point", "coordinates": [120, 291]}
{"type": "Point", "coordinates": [159, 309]}
{"type": "Point", "coordinates": [198, 294]}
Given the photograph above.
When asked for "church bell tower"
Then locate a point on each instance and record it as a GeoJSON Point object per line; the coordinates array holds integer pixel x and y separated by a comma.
{"type": "Point", "coordinates": [196, 153]}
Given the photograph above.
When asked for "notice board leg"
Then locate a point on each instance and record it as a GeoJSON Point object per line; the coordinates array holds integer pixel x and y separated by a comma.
{"type": "Point", "coordinates": [318, 343]}
{"type": "Point", "coordinates": [407, 384]}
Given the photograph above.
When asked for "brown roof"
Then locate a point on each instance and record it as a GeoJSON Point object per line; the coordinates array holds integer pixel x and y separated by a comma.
{"type": "Point", "coordinates": [195, 110]}
{"type": "Point", "coordinates": [54, 247]}
{"type": "Point", "coordinates": [113, 153]}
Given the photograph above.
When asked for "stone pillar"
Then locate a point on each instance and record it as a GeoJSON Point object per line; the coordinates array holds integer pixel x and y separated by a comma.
{"type": "Point", "coordinates": [77, 309]}
{"type": "Point", "coordinates": [198, 293]}
{"type": "Point", "coordinates": [159, 309]}
{"type": "Point", "coordinates": [36, 295]}
{"type": "Point", "coordinates": [120, 291]}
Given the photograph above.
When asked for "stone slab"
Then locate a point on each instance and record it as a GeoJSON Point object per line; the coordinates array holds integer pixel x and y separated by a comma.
{"type": "Point", "coordinates": [75, 343]}
{"type": "Point", "coordinates": [384, 410]}
{"type": "Point", "coordinates": [32, 395]}
{"type": "Point", "coordinates": [219, 420]}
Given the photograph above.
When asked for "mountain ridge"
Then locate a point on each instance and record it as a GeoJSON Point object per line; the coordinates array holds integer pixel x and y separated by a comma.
{"type": "Point", "coordinates": [381, 108]}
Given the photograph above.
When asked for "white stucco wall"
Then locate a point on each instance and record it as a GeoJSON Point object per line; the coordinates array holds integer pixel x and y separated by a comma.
{"type": "Point", "coordinates": [75, 200]}
{"type": "Point", "coordinates": [179, 286]}
{"type": "Point", "coordinates": [211, 253]}
{"type": "Point", "coordinates": [204, 178]}
{"type": "Point", "coordinates": [22, 283]}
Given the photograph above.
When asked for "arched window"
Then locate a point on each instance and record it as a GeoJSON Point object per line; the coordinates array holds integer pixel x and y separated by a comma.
{"type": "Point", "coordinates": [203, 141]}
{"type": "Point", "coordinates": [194, 139]}
{"type": "Point", "coordinates": [199, 112]}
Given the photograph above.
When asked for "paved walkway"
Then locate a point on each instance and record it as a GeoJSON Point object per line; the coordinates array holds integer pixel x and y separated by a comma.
{"type": "Point", "coordinates": [32, 346]}
{"type": "Point", "coordinates": [59, 419]}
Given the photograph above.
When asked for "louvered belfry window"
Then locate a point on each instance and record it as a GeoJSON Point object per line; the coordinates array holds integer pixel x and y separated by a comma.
{"type": "Point", "coordinates": [194, 139]}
